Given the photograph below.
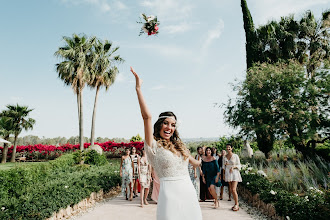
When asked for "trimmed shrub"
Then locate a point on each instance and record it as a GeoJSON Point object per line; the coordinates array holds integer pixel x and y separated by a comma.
{"type": "Point", "coordinates": [36, 192]}
{"type": "Point", "coordinates": [89, 157]}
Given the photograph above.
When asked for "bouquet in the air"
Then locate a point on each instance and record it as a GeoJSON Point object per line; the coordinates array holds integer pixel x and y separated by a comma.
{"type": "Point", "coordinates": [150, 25]}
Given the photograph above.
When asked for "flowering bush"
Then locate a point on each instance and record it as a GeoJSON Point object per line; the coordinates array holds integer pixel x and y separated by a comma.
{"type": "Point", "coordinates": [150, 25]}
{"type": "Point", "coordinates": [50, 152]}
{"type": "Point", "coordinates": [313, 204]}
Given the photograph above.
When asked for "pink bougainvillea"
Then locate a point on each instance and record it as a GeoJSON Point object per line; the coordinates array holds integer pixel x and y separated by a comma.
{"type": "Point", "coordinates": [40, 151]}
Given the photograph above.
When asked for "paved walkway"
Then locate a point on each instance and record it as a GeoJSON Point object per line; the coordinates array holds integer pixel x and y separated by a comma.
{"type": "Point", "coordinates": [121, 209]}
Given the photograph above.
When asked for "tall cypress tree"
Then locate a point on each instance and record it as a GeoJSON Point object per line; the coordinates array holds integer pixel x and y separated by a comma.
{"type": "Point", "coordinates": [265, 135]}
{"type": "Point", "coordinates": [252, 54]}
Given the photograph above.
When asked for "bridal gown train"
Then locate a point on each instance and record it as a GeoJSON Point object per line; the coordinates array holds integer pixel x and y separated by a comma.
{"type": "Point", "coordinates": [177, 197]}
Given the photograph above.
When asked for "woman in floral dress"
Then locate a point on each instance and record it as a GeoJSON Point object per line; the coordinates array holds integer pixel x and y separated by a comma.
{"type": "Point", "coordinates": [126, 173]}
{"type": "Point", "coordinates": [144, 177]}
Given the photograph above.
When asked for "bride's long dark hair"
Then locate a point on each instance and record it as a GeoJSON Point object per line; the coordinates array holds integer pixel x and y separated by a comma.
{"type": "Point", "coordinates": [175, 141]}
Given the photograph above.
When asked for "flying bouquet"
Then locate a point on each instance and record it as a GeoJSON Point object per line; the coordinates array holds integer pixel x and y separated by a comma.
{"type": "Point", "coordinates": [150, 25]}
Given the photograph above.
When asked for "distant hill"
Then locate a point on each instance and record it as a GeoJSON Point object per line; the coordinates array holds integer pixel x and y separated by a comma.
{"type": "Point", "coordinates": [201, 139]}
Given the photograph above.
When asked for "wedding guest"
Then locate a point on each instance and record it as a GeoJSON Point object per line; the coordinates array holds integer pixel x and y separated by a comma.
{"type": "Point", "coordinates": [232, 173]}
{"type": "Point", "coordinates": [203, 188]}
{"type": "Point", "coordinates": [216, 157]}
{"type": "Point", "coordinates": [136, 160]}
{"type": "Point", "coordinates": [198, 170]}
{"type": "Point", "coordinates": [126, 173]}
{"type": "Point", "coordinates": [193, 176]}
{"type": "Point", "coordinates": [156, 186]}
{"type": "Point", "coordinates": [221, 162]}
{"type": "Point", "coordinates": [212, 172]}
{"type": "Point", "coordinates": [215, 153]}
{"type": "Point", "coordinates": [144, 177]}
{"type": "Point", "coordinates": [204, 192]}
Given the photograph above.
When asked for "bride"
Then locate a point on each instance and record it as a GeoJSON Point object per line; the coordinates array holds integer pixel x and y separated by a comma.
{"type": "Point", "coordinates": [169, 156]}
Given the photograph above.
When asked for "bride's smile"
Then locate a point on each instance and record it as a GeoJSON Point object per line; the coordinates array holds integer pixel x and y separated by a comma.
{"type": "Point", "coordinates": [168, 128]}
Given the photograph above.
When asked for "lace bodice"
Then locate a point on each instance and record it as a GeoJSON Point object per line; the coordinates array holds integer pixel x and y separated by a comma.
{"type": "Point", "coordinates": [233, 161]}
{"type": "Point", "coordinates": [165, 163]}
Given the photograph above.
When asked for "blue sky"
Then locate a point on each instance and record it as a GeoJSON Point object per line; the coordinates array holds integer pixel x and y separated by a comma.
{"type": "Point", "coordinates": [189, 66]}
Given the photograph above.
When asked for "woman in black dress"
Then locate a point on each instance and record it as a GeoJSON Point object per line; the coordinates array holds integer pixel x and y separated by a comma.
{"type": "Point", "coordinates": [211, 175]}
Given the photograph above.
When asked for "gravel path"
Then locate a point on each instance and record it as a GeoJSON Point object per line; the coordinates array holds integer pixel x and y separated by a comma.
{"type": "Point", "coordinates": [120, 209]}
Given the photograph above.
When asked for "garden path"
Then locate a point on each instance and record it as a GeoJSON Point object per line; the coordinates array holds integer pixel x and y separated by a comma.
{"type": "Point", "coordinates": [121, 209]}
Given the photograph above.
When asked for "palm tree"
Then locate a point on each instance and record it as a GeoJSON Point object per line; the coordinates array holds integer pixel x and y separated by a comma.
{"type": "Point", "coordinates": [315, 35]}
{"type": "Point", "coordinates": [18, 117]}
{"type": "Point", "coordinates": [6, 129]}
{"type": "Point", "coordinates": [74, 70]}
{"type": "Point", "coordinates": [103, 72]}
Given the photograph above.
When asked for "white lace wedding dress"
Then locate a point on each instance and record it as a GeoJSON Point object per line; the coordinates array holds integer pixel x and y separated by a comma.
{"type": "Point", "coordinates": [177, 196]}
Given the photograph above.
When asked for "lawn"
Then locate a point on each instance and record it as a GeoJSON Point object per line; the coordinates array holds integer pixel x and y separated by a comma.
{"type": "Point", "coordinates": [9, 165]}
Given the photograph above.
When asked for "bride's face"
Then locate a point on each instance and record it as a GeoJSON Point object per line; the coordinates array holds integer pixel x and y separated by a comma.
{"type": "Point", "coordinates": [168, 128]}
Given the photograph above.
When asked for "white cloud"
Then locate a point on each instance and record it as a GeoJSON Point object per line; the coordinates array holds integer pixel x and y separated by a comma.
{"type": "Point", "coordinates": [263, 11]}
{"type": "Point", "coordinates": [16, 99]}
{"type": "Point", "coordinates": [169, 51]}
{"type": "Point", "coordinates": [105, 7]}
{"type": "Point", "coordinates": [120, 5]}
{"type": "Point", "coordinates": [175, 16]}
{"type": "Point", "coordinates": [159, 87]}
{"type": "Point", "coordinates": [178, 28]}
{"type": "Point", "coordinates": [171, 10]}
{"type": "Point", "coordinates": [171, 88]}
{"type": "Point", "coordinates": [212, 35]}
{"type": "Point", "coordinates": [121, 78]}
{"type": "Point", "coordinates": [102, 5]}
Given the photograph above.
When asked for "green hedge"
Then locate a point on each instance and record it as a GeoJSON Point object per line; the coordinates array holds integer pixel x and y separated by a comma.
{"type": "Point", "coordinates": [36, 192]}
{"type": "Point", "coordinates": [314, 204]}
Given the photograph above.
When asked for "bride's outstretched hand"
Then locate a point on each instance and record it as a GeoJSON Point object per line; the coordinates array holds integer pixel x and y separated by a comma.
{"type": "Point", "coordinates": [138, 81]}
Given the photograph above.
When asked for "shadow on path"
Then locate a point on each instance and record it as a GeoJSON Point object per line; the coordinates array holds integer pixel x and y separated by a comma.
{"type": "Point", "coordinates": [121, 209]}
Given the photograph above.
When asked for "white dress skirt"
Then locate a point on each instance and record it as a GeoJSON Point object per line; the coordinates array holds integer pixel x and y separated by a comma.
{"type": "Point", "coordinates": [177, 198]}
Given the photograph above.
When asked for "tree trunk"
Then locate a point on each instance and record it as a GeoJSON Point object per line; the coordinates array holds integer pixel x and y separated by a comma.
{"type": "Point", "coordinates": [5, 151]}
{"type": "Point", "coordinates": [13, 154]}
{"type": "Point", "coordinates": [265, 141]}
{"type": "Point", "coordinates": [81, 125]}
{"type": "Point", "coordinates": [94, 116]}
{"type": "Point", "coordinates": [78, 103]}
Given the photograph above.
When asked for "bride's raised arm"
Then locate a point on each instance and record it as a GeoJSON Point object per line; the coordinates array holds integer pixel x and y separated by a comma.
{"type": "Point", "coordinates": [146, 115]}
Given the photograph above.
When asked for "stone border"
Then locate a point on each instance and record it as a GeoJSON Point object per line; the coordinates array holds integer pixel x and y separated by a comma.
{"type": "Point", "coordinates": [267, 209]}
{"type": "Point", "coordinates": [85, 204]}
